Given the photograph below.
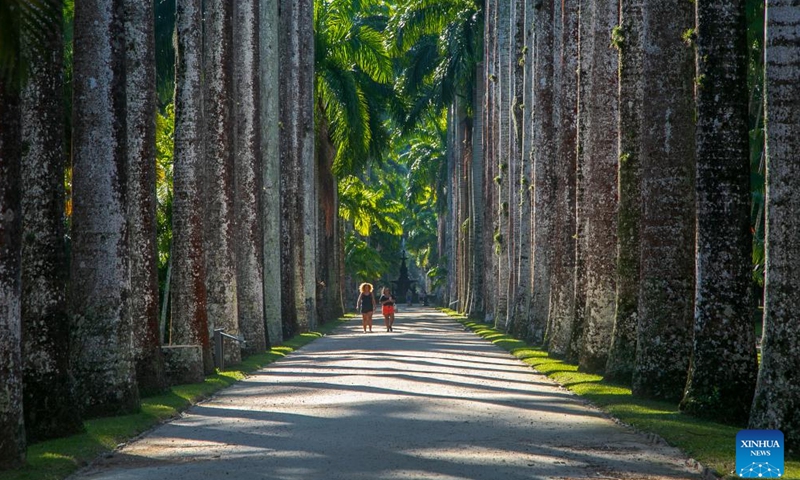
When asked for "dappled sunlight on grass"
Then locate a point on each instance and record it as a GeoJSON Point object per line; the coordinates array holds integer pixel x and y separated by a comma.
{"type": "Point", "coordinates": [711, 443]}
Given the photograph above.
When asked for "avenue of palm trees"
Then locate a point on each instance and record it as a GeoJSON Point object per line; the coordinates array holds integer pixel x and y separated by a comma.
{"type": "Point", "coordinates": [615, 181]}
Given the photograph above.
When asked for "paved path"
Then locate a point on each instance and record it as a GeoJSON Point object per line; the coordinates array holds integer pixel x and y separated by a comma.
{"type": "Point", "coordinates": [429, 401]}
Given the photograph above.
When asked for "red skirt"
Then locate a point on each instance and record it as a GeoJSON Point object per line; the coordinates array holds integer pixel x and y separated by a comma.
{"type": "Point", "coordinates": [388, 309]}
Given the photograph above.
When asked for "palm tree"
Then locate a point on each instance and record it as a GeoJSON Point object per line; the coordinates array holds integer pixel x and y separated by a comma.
{"type": "Point", "coordinates": [562, 290]}
{"type": "Point", "coordinates": [103, 358]}
{"type": "Point", "coordinates": [269, 122]}
{"type": "Point", "coordinates": [627, 39]}
{"type": "Point", "coordinates": [666, 294]}
{"type": "Point", "coordinates": [352, 71]}
{"type": "Point", "coordinates": [777, 396]}
{"type": "Point", "coordinates": [722, 376]}
{"type": "Point", "coordinates": [246, 166]}
{"type": "Point", "coordinates": [12, 430]}
{"type": "Point", "coordinates": [140, 77]}
{"type": "Point", "coordinates": [49, 403]}
{"type": "Point", "coordinates": [600, 176]}
{"type": "Point", "coordinates": [297, 150]}
{"type": "Point", "coordinates": [543, 169]}
{"type": "Point", "coordinates": [189, 325]}
{"type": "Point", "coordinates": [219, 222]}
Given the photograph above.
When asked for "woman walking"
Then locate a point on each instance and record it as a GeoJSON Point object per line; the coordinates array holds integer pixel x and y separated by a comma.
{"type": "Point", "coordinates": [387, 302]}
{"type": "Point", "coordinates": [366, 305]}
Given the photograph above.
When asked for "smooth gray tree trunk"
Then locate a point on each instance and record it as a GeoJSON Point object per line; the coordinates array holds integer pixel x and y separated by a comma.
{"type": "Point", "coordinates": [777, 396]}
{"type": "Point", "coordinates": [189, 321]}
{"type": "Point", "coordinates": [247, 172]}
{"type": "Point", "coordinates": [622, 355]}
{"type": "Point", "coordinates": [102, 353]}
{"type": "Point", "coordinates": [48, 396]}
{"type": "Point", "coordinates": [219, 225]}
{"type": "Point", "coordinates": [12, 427]}
{"type": "Point", "coordinates": [268, 61]}
{"type": "Point", "coordinates": [666, 291]}
{"type": "Point", "coordinates": [140, 75]}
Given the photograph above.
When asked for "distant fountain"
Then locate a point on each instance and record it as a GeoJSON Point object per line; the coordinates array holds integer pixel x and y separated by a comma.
{"type": "Point", "coordinates": [403, 287]}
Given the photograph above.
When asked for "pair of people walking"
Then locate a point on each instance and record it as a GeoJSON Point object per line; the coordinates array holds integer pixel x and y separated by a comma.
{"type": "Point", "coordinates": [366, 305]}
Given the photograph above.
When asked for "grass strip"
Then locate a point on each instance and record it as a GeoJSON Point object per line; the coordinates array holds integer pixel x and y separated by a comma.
{"type": "Point", "coordinates": [56, 459]}
{"type": "Point", "coordinates": [710, 443]}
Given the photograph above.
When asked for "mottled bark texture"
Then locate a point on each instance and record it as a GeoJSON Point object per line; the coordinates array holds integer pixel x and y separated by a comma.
{"type": "Point", "coordinates": [218, 176]}
{"type": "Point", "coordinates": [48, 396]}
{"type": "Point", "coordinates": [476, 304]}
{"type": "Point", "coordinates": [140, 73]}
{"type": "Point", "coordinates": [627, 39]}
{"type": "Point", "coordinates": [543, 169]}
{"type": "Point", "coordinates": [522, 299]}
{"type": "Point", "coordinates": [504, 39]}
{"type": "Point", "coordinates": [723, 370]}
{"type": "Point", "coordinates": [102, 337]}
{"type": "Point", "coordinates": [777, 397]}
{"type": "Point", "coordinates": [666, 294]}
{"type": "Point", "coordinates": [189, 321]}
{"type": "Point", "coordinates": [600, 170]}
{"type": "Point", "coordinates": [562, 290]}
{"type": "Point", "coordinates": [269, 112]}
{"type": "Point", "coordinates": [12, 429]}
{"type": "Point", "coordinates": [247, 181]}
{"type": "Point", "coordinates": [490, 163]}
{"type": "Point", "coordinates": [516, 83]}
{"type": "Point", "coordinates": [298, 184]}
{"type": "Point", "coordinates": [585, 42]}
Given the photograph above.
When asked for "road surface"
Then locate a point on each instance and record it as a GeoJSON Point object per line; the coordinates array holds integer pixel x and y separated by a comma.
{"type": "Point", "coordinates": [427, 401]}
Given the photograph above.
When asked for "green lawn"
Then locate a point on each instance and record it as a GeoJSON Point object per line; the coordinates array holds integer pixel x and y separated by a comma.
{"type": "Point", "coordinates": [712, 444]}
{"type": "Point", "coordinates": [56, 459]}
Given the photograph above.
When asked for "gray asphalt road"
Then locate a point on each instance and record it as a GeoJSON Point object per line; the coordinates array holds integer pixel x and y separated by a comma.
{"type": "Point", "coordinates": [428, 401]}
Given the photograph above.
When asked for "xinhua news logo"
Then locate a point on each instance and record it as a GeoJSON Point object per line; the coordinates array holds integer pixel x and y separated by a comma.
{"type": "Point", "coordinates": [759, 454]}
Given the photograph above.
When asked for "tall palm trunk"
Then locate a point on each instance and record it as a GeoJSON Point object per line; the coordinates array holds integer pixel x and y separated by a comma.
{"type": "Point", "coordinates": [489, 123]}
{"type": "Point", "coordinates": [562, 292]}
{"type": "Point", "coordinates": [48, 397]}
{"type": "Point", "coordinates": [543, 169]}
{"type": "Point", "coordinates": [668, 212]}
{"type": "Point", "coordinates": [189, 321]}
{"type": "Point", "coordinates": [270, 166]}
{"type": "Point", "coordinates": [298, 165]}
{"type": "Point", "coordinates": [475, 307]}
{"type": "Point", "coordinates": [140, 73]}
{"type": "Point", "coordinates": [522, 299]}
{"type": "Point", "coordinates": [219, 222]}
{"type": "Point", "coordinates": [585, 45]}
{"type": "Point", "coordinates": [600, 169]}
{"type": "Point", "coordinates": [723, 371]}
{"type": "Point", "coordinates": [777, 397]}
{"type": "Point", "coordinates": [622, 355]}
{"type": "Point", "coordinates": [103, 357]}
{"type": "Point", "coordinates": [247, 156]}
{"type": "Point", "coordinates": [12, 428]}
{"type": "Point", "coordinates": [503, 239]}
{"type": "Point", "coordinates": [490, 165]}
